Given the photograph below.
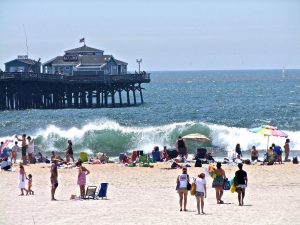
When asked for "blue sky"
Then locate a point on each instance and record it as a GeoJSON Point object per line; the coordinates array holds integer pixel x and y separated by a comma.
{"type": "Point", "coordinates": [168, 35]}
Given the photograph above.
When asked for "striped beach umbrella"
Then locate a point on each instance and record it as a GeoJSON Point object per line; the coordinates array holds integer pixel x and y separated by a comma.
{"type": "Point", "coordinates": [269, 131]}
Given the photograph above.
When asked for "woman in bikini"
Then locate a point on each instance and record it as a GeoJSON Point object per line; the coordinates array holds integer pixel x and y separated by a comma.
{"type": "Point", "coordinates": [218, 182]}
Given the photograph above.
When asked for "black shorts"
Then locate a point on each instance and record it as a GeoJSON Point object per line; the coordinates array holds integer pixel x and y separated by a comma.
{"type": "Point", "coordinates": [24, 151]}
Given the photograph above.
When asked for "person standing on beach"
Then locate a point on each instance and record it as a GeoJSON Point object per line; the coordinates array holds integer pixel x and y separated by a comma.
{"type": "Point", "coordinates": [81, 180]}
{"type": "Point", "coordinates": [200, 191]}
{"type": "Point", "coordinates": [182, 148]}
{"type": "Point", "coordinates": [287, 150]}
{"type": "Point", "coordinates": [14, 151]}
{"type": "Point", "coordinates": [54, 178]}
{"type": "Point", "coordinates": [181, 187]}
{"type": "Point", "coordinates": [23, 147]}
{"type": "Point", "coordinates": [218, 182]}
{"type": "Point", "coordinates": [254, 154]}
{"type": "Point", "coordinates": [238, 150]}
{"type": "Point", "coordinates": [30, 149]}
{"type": "Point", "coordinates": [241, 180]}
{"type": "Point", "coordinates": [69, 152]}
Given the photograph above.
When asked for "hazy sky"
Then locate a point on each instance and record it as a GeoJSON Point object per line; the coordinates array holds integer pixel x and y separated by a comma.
{"type": "Point", "coordinates": [167, 34]}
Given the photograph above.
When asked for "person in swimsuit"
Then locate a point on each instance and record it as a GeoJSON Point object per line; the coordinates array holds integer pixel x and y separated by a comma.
{"type": "Point", "coordinates": [182, 148]}
{"type": "Point", "coordinates": [23, 148]}
{"type": "Point", "coordinates": [238, 150]}
{"type": "Point", "coordinates": [254, 154]}
{"type": "Point", "coordinates": [54, 178]}
{"type": "Point", "coordinates": [241, 180]}
{"type": "Point", "coordinates": [30, 191]}
{"type": "Point", "coordinates": [81, 180]}
{"type": "Point", "coordinates": [218, 182]}
{"type": "Point", "coordinates": [69, 152]}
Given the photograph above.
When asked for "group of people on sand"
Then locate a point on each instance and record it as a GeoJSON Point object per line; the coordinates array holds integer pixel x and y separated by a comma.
{"type": "Point", "coordinates": [274, 150]}
{"type": "Point", "coordinates": [183, 186]}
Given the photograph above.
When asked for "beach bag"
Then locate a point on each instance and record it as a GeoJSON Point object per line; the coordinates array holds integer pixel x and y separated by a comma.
{"type": "Point", "coordinates": [188, 186]}
{"type": "Point", "coordinates": [295, 160]}
{"type": "Point", "coordinates": [226, 185]}
{"type": "Point", "coordinates": [193, 189]}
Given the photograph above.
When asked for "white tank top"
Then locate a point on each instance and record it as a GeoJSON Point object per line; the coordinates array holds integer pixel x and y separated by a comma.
{"type": "Point", "coordinates": [183, 179]}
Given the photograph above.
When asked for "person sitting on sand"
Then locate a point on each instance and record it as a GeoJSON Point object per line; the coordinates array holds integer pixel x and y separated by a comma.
{"type": "Point", "coordinates": [241, 180]}
{"type": "Point", "coordinates": [254, 154]}
{"type": "Point", "coordinates": [54, 177]}
{"type": "Point", "coordinates": [182, 182]}
{"type": "Point", "coordinates": [22, 179]}
{"type": "Point", "coordinates": [182, 148]}
{"type": "Point", "coordinates": [218, 182]}
{"type": "Point", "coordinates": [278, 152]}
{"type": "Point", "coordinates": [81, 180]}
{"type": "Point", "coordinates": [165, 156]}
{"type": "Point", "coordinates": [5, 164]}
{"type": "Point", "coordinates": [200, 192]}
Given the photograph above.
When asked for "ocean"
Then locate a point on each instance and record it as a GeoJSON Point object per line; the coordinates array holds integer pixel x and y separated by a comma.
{"type": "Point", "coordinates": [222, 105]}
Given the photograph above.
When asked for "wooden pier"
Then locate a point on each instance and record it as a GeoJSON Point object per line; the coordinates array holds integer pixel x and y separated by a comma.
{"type": "Point", "coordinates": [24, 90]}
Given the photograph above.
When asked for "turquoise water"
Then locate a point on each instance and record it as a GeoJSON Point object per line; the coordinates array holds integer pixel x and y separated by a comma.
{"type": "Point", "coordinates": [220, 104]}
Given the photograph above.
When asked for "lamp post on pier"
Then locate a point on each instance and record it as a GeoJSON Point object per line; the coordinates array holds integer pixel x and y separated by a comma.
{"type": "Point", "coordinates": [139, 61]}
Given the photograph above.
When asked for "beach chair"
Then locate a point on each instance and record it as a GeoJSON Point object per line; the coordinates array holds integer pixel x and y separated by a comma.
{"type": "Point", "coordinates": [102, 193]}
{"type": "Point", "coordinates": [143, 161]}
{"type": "Point", "coordinates": [156, 156]}
{"type": "Point", "coordinates": [90, 192]}
{"type": "Point", "coordinates": [172, 153]}
{"type": "Point", "coordinates": [201, 153]}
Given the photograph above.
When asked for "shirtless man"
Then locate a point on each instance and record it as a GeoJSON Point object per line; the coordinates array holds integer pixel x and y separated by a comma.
{"type": "Point", "coordinates": [23, 147]}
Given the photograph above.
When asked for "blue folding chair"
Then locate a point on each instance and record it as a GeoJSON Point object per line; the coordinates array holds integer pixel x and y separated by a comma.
{"type": "Point", "coordinates": [103, 190]}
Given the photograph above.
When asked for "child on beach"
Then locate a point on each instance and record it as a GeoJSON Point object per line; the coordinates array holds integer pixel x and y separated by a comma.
{"type": "Point", "coordinates": [14, 151]}
{"type": "Point", "coordinates": [200, 191]}
{"type": "Point", "coordinates": [81, 180]}
{"type": "Point", "coordinates": [22, 180]}
{"type": "Point", "coordinates": [30, 191]}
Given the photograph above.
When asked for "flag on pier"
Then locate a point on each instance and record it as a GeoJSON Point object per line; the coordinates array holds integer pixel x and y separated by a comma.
{"type": "Point", "coordinates": [81, 40]}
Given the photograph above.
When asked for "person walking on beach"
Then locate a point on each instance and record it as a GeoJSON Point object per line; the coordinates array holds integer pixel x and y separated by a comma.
{"type": "Point", "coordinates": [218, 182]}
{"type": "Point", "coordinates": [238, 151]}
{"type": "Point", "coordinates": [241, 180]}
{"type": "Point", "coordinates": [81, 180]}
{"type": "Point", "coordinates": [69, 152]}
{"type": "Point", "coordinates": [287, 150]}
{"type": "Point", "coordinates": [200, 191]}
{"type": "Point", "coordinates": [30, 191]}
{"type": "Point", "coordinates": [22, 180]}
{"type": "Point", "coordinates": [54, 178]}
{"type": "Point", "coordinates": [181, 187]}
{"type": "Point", "coordinates": [14, 151]}
{"type": "Point", "coordinates": [182, 148]}
{"type": "Point", "coordinates": [23, 147]}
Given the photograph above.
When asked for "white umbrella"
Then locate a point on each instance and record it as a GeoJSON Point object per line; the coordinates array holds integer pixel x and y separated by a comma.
{"type": "Point", "coordinates": [197, 137]}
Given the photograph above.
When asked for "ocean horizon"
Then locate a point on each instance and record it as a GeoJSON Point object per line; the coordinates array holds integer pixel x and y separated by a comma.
{"type": "Point", "coordinates": [221, 104]}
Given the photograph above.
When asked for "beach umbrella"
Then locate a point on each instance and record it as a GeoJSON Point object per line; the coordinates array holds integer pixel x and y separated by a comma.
{"type": "Point", "coordinates": [269, 131]}
{"type": "Point", "coordinates": [197, 137]}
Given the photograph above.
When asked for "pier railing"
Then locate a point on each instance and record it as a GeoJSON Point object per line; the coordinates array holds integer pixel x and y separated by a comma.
{"type": "Point", "coordinates": [106, 79]}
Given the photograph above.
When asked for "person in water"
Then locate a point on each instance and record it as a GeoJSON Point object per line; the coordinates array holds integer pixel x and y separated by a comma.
{"type": "Point", "coordinates": [69, 152]}
{"type": "Point", "coordinates": [182, 148]}
{"type": "Point", "coordinates": [241, 180]}
{"type": "Point", "coordinates": [218, 182]}
{"type": "Point", "coordinates": [182, 183]}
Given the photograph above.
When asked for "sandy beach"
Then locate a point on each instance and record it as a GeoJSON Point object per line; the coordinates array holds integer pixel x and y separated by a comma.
{"type": "Point", "coordinates": [148, 196]}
